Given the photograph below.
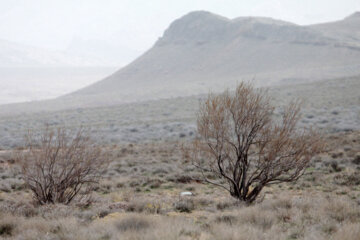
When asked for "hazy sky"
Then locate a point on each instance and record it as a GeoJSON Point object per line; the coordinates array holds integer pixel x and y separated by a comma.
{"type": "Point", "coordinates": [136, 24]}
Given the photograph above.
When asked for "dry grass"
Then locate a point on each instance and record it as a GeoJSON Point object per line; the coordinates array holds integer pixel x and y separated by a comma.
{"type": "Point", "coordinates": [284, 218]}
{"type": "Point", "coordinates": [127, 205]}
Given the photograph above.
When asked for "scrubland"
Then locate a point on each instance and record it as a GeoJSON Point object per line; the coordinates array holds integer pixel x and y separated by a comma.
{"type": "Point", "coordinates": [139, 198]}
{"type": "Point", "coordinates": [139, 195]}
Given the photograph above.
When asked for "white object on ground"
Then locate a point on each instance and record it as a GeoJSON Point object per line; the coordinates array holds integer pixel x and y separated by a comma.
{"type": "Point", "coordinates": [183, 194]}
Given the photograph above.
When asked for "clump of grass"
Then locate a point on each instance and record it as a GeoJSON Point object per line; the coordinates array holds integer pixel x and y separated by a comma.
{"type": "Point", "coordinates": [227, 204]}
{"type": "Point", "coordinates": [341, 210]}
{"type": "Point", "coordinates": [257, 217]}
{"type": "Point", "coordinates": [348, 232]}
{"type": "Point", "coordinates": [140, 206]}
{"type": "Point", "coordinates": [356, 159]}
{"type": "Point", "coordinates": [227, 219]}
{"type": "Point", "coordinates": [185, 205]}
{"type": "Point", "coordinates": [335, 166]}
{"type": "Point", "coordinates": [133, 223]}
{"type": "Point", "coordinates": [6, 228]}
{"type": "Point", "coordinates": [352, 179]}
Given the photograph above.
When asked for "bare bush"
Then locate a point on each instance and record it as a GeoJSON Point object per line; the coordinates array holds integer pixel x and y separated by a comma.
{"type": "Point", "coordinates": [59, 165]}
{"type": "Point", "coordinates": [240, 142]}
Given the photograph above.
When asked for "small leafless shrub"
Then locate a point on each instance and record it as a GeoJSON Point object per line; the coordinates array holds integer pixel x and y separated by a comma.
{"type": "Point", "coordinates": [59, 165]}
{"type": "Point", "coordinates": [240, 142]}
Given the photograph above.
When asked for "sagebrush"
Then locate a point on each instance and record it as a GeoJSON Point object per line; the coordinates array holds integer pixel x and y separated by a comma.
{"type": "Point", "coordinates": [59, 165]}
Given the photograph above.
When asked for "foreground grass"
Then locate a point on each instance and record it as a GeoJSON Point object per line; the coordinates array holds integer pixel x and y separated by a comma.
{"type": "Point", "coordinates": [316, 217]}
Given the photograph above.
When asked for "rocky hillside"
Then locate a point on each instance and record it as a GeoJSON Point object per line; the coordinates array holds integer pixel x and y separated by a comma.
{"type": "Point", "coordinates": [203, 51]}
{"type": "Point", "coordinates": [346, 31]}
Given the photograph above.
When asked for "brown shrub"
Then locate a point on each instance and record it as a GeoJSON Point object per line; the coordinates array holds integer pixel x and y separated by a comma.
{"type": "Point", "coordinates": [239, 142]}
{"type": "Point", "coordinates": [58, 165]}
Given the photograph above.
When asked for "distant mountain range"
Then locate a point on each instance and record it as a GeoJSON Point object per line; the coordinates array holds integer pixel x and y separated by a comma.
{"type": "Point", "coordinates": [203, 51]}
{"type": "Point", "coordinates": [18, 55]}
{"type": "Point", "coordinates": [108, 53]}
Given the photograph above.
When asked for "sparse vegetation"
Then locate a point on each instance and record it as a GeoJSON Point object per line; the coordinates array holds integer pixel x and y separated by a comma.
{"type": "Point", "coordinates": [58, 165]}
{"type": "Point", "coordinates": [318, 206]}
{"type": "Point", "coordinates": [138, 195]}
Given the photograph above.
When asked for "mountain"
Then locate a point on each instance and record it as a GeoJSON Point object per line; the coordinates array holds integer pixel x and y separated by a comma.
{"type": "Point", "coordinates": [346, 31]}
{"type": "Point", "coordinates": [203, 51]}
{"type": "Point", "coordinates": [18, 55]}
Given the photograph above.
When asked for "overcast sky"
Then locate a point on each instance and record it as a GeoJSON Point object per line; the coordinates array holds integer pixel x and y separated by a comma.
{"type": "Point", "coordinates": [136, 24]}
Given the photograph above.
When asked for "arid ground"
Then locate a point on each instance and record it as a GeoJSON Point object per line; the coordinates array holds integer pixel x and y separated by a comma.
{"type": "Point", "coordinates": [139, 196]}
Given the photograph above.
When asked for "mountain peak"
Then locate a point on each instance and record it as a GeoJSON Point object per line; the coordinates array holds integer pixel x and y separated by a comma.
{"type": "Point", "coordinates": [202, 15]}
{"type": "Point", "coordinates": [195, 26]}
{"type": "Point", "coordinates": [263, 20]}
{"type": "Point", "coordinates": [202, 27]}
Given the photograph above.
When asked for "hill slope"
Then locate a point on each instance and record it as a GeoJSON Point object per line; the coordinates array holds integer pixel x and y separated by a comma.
{"type": "Point", "coordinates": [202, 50]}
{"type": "Point", "coordinates": [346, 31]}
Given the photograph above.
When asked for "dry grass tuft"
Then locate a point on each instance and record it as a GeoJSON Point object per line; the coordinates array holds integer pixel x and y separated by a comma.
{"type": "Point", "coordinates": [7, 225]}
{"type": "Point", "coordinates": [348, 232]}
{"type": "Point", "coordinates": [133, 223]}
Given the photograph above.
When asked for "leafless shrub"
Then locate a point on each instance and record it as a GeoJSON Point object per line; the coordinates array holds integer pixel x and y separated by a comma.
{"type": "Point", "coordinates": [239, 142]}
{"type": "Point", "coordinates": [59, 165]}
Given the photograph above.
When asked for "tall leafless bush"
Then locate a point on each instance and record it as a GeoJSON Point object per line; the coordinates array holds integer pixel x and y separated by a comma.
{"type": "Point", "coordinates": [240, 142]}
{"type": "Point", "coordinates": [60, 165]}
